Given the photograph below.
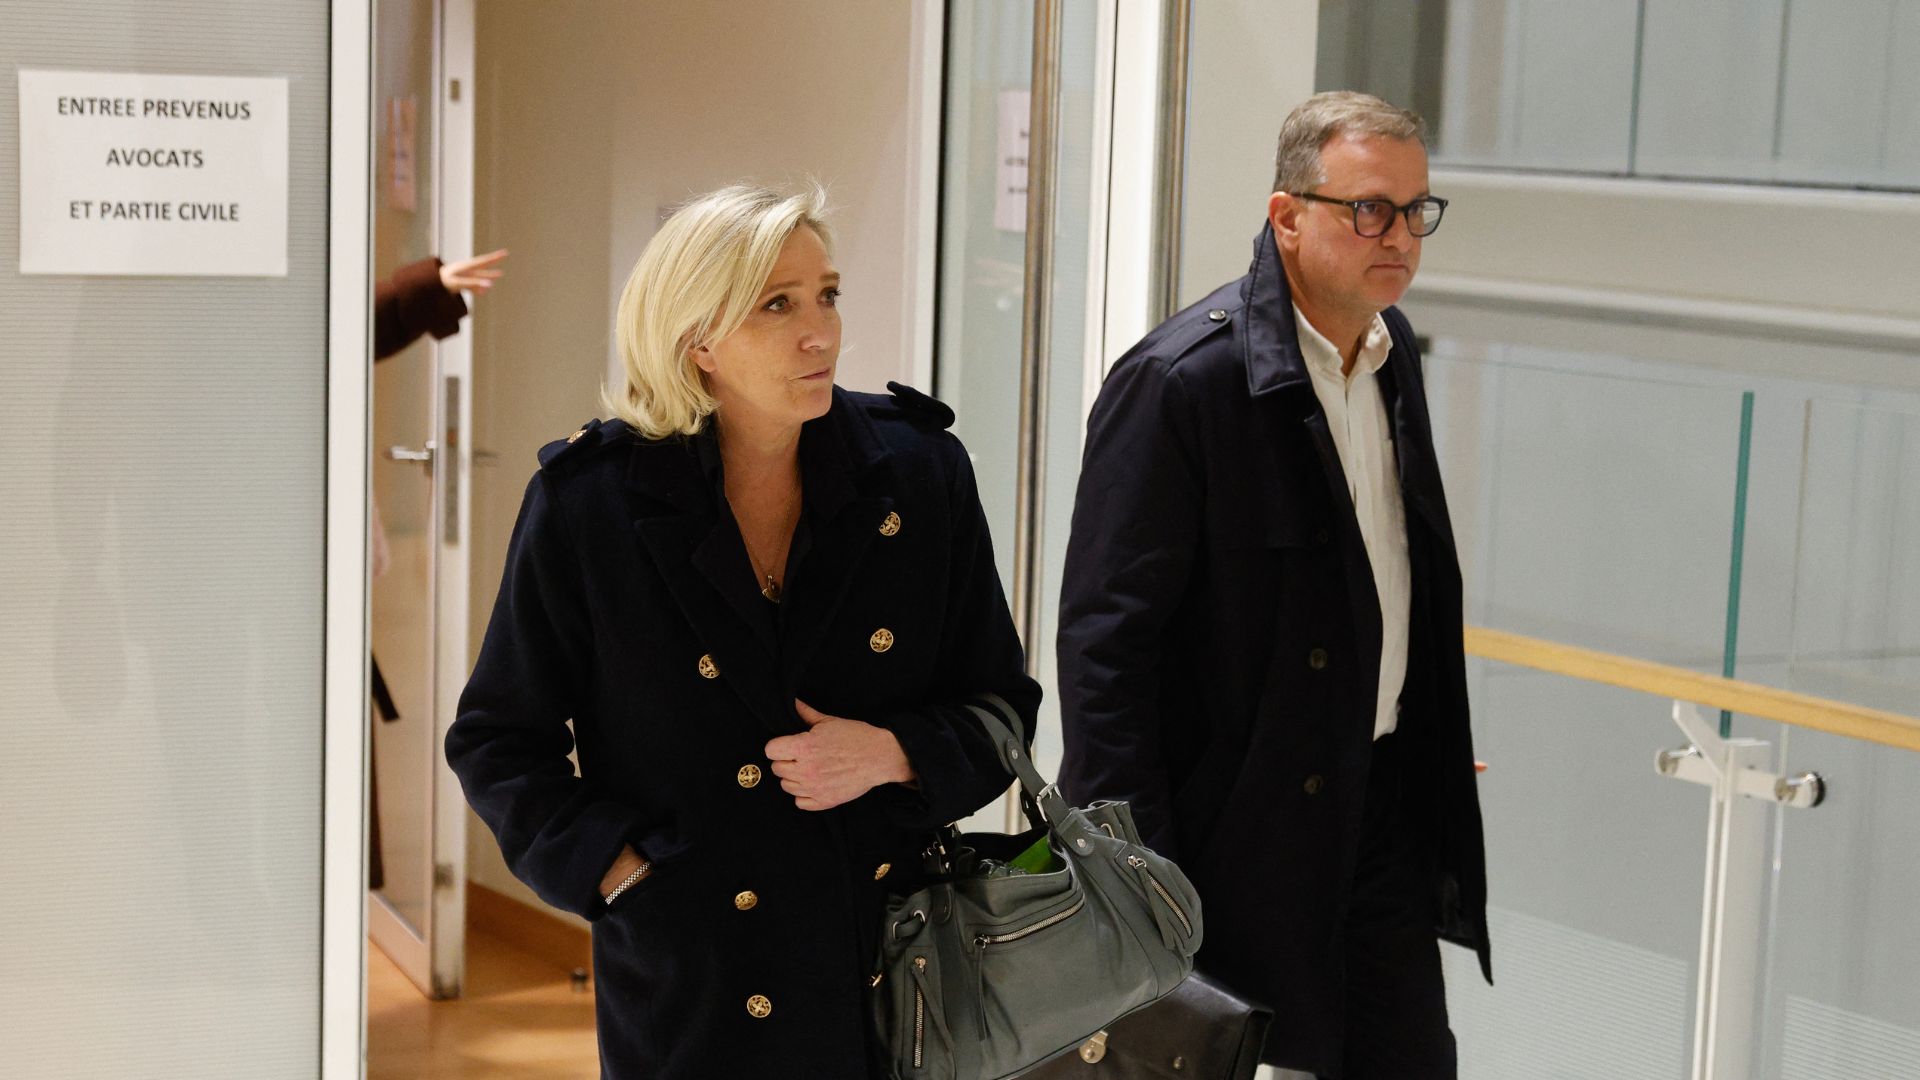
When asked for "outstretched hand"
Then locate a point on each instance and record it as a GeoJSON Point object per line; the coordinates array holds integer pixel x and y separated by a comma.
{"type": "Point", "coordinates": [836, 760]}
{"type": "Point", "coordinates": [476, 275]}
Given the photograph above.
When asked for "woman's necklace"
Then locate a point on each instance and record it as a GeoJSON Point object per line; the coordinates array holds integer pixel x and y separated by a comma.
{"type": "Point", "coordinates": [771, 590]}
{"type": "Point", "coordinates": [786, 519]}
{"type": "Point", "coordinates": [789, 518]}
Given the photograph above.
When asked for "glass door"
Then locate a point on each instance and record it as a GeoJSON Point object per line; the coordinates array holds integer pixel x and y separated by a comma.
{"type": "Point", "coordinates": [982, 288]}
{"type": "Point", "coordinates": [417, 544]}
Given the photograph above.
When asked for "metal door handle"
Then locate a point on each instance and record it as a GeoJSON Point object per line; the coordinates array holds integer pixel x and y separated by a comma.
{"type": "Point", "coordinates": [404, 453]}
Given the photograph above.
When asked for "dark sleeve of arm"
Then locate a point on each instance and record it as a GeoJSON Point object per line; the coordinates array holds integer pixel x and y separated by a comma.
{"type": "Point", "coordinates": [413, 302]}
{"type": "Point", "coordinates": [958, 768]}
{"type": "Point", "coordinates": [1136, 526]}
{"type": "Point", "coordinates": [510, 741]}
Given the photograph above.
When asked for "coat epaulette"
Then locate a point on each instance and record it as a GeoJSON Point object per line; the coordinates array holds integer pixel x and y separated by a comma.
{"type": "Point", "coordinates": [1183, 335]}
{"type": "Point", "coordinates": [921, 405]}
{"type": "Point", "coordinates": [594, 433]}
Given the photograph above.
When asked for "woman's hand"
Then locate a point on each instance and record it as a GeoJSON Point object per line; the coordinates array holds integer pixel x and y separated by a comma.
{"type": "Point", "coordinates": [836, 760]}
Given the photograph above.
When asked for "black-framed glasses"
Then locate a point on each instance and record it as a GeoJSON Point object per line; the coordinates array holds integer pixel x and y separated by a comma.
{"type": "Point", "coordinates": [1373, 217]}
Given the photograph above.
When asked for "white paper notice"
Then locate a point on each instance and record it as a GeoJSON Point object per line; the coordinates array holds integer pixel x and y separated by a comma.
{"type": "Point", "coordinates": [157, 175]}
{"type": "Point", "coordinates": [1010, 192]}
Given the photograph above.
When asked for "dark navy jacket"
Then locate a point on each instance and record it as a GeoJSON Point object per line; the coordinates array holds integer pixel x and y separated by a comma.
{"type": "Point", "coordinates": [629, 607]}
{"type": "Point", "coordinates": [1219, 645]}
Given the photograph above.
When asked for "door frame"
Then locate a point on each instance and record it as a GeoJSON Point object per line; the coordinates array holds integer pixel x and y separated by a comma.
{"type": "Point", "coordinates": [453, 121]}
{"type": "Point", "coordinates": [435, 959]}
{"type": "Point", "coordinates": [343, 848]}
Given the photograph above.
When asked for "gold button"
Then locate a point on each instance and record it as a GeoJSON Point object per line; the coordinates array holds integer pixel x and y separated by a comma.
{"type": "Point", "coordinates": [882, 870]}
{"type": "Point", "coordinates": [709, 669]}
{"type": "Point", "coordinates": [748, 776]}
{"type": "Point", "coordinates": [759, 1007]}
{"type": "Point", "coordinates": [1317, 659]}
{"type": "Point", "coordinates": [882, 640]}
{"type": "Point", "coordinates": [1314, 785]}
{"type": "Point", "coordinates": [745, 901]}
{"type": "Point", "coordinates": [891, 526]}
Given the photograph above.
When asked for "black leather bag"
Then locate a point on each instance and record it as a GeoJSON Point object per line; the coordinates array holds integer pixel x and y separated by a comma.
{"type": "Point", "coordinates": [1201, 1031]}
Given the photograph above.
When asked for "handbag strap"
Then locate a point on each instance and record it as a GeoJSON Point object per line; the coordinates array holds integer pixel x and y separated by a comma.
{"type": "Point", "coordinates": [1044, 804]}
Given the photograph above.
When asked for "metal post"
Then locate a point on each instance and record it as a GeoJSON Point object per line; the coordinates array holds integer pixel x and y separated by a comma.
{"type": "Point", "coordinates": [1732, 901]}
{"type": "Point", "coordinates": [1736, 771]}
{"type": "Point", "coordinates": [1036, 325]}
{"type": "Point", "coordinates": [1170, 167]}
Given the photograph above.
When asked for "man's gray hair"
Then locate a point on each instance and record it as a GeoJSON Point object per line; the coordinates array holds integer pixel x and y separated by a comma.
{"type": "Point", "coordinates": [1322, 117]}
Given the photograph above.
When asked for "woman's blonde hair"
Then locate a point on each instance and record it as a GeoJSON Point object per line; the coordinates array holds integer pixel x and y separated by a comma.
{"type": "Point", "coordinates": [694, 284]}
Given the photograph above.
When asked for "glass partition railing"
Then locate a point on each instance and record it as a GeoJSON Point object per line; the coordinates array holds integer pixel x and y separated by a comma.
{"type": "Point", "coordinates": [1592, 503]}
{"type": "Point", "coordinates": [1841, 947]}
{"type": "Point", "coordinates": [1593, 866]}
{"type": "Point", "coordinates": [1688, 524]}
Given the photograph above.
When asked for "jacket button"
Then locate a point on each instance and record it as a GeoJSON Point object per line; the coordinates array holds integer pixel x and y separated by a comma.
{"type": "Point", "coordinates": [1321, 537]}
{"type": "Point", "coordinates": [1317, 659]}
{"type": "Point", "coordinates": [891, 526]}
{"type": "Point", "coordinates": [708, 669]}
{"type": "Point", "coordinates": [882, 640]}
{"type": "Point", "coordinates": [746, 900]}
{"type": "Point", "coordinates": [882, 870]}
{"type": "Point", "coordinates": [1218, 314]}
{"type": "Point", "coordinates": [759, 1007]}
{"type": "Point", "coordinates": [1314, 785]}
{"type": "Point", "coordinates": [748, 776]}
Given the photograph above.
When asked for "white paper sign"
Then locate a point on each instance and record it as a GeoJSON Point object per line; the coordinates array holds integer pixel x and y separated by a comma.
{"type": "Point", "coordinates": [160, 175]}
{"type": "Point", "coordinates": [1010, 191]}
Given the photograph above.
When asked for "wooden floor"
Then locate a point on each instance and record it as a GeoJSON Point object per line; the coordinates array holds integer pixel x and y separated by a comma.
{"type": "Point", "coordinates": [520, 1018]}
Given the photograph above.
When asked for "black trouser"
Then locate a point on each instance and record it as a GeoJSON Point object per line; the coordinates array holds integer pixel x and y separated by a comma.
{"type": "Point", "coordinates": [1396, 1007]}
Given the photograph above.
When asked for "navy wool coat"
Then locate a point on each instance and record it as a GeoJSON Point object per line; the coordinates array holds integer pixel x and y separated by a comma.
{"type": "Point", "coordinates": [629, 608]}
{"type": "Point", "coordinates": [1219, 646]}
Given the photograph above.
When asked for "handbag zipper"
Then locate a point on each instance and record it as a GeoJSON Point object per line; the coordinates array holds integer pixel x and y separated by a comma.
{"type": "Point", "coordinates": [981, 941]}
{"type": "Point", "coordinates": [1140, 864]}
{"type": "Point", "coordinates": [919, 1016]}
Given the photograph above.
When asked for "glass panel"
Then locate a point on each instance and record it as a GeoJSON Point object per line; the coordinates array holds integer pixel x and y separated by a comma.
{"type": "Point", "coordinates": [162, 556]}
{"type": "Point", "coordinates": [1841, 999]}
{"type": "Point", "coordinates": [1546, 84]}
{"type": "Point", "coordinates": [403, 491]}
{"type": "Point", "coordinates": [1594, 866]}
{"type": "Point", "coordinates": [1593, 496]}
{"type": "Point", "coordinates": [983, 244]}
{"type": "Point", "coordinates": [1814, 93]}
{"type": "Point", "coordinates": [1066, 382]}
{"type": "Point", "coordinates": [990, 49]}
{"type": "Point", "coordinates": [1850, 107]}
{"type": "Point", "coordinates": [1592, 502]}
{"type": "Point", "coordinates": [1592, 499]}
{"type": "Point", "coordinates": [1709, 87]}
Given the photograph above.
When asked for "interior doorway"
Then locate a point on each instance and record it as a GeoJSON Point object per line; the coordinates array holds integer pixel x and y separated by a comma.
{"type": "Point", "coordinates": [422, 203]}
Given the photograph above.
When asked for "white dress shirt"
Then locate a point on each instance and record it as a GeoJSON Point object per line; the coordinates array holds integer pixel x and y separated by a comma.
{"type": "Point", "coordinates": [1357, 418]}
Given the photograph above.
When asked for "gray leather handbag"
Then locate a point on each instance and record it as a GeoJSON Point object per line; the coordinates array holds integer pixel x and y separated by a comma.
{"type": "Point", "coordinates": [988, 971]}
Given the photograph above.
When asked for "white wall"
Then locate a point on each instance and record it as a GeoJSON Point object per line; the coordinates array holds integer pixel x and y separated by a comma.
{"type": "Point", "coordinates": [767, 94]}
{"type": "Point", "coordinates": [1249, 63]}
{"type": "Point", "coordinates": [593, 117]}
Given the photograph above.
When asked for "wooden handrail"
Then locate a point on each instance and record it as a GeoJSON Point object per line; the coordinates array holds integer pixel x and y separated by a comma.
{"type": "Point", "coordinates": [1714, 691]}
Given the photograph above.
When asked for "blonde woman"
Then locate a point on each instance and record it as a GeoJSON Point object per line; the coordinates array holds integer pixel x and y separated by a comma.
{"type": "Point", "coordinates": [762, 602]}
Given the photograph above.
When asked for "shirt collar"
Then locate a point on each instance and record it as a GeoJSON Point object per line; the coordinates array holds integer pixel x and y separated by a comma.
{"type": "Point", "coordinates": [1324, 358]}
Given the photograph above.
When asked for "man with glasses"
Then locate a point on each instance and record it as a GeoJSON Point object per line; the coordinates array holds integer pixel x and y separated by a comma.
{"type": "Point", "coordinates": [1260, 622]}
